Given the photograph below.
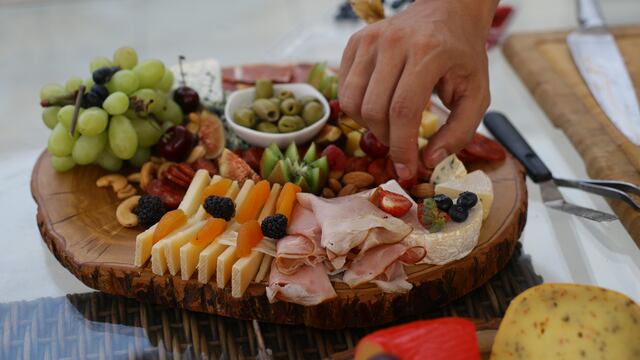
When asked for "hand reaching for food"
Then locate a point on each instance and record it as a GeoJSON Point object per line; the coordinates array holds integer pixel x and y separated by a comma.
{"type": "Point", "coordinates": [390, 68]}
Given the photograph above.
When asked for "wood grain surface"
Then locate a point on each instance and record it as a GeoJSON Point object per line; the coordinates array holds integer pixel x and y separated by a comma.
{"type": "Point", "coordinates": [77, 222]}
{"type": "Point", "coordinates": [544, 63]}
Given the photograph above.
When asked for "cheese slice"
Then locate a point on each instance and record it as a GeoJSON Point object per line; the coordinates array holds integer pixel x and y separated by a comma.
{"type": "Point", "coordinates": [164, 254]}
{"type": "Point", "coordinates": [207, 261]}
{"type": "Point", "coordinates": [429, 124]}
{"type": "Point", "coordinates": [193, 195]}
{"type": "Point", "coordinates": [270, 206]}
{"type": "Point", "coordinates": [265, 266]}
{"type": "Point", "coordinates": [189, 204]}
{"type": "Point", "coordinates": [189, 253]}
{"type": "Point", "coordinates": [455, 241]}
{"type": "Point", "coordinates": [244, 271]}
{"type": "Point", "coordinates": [449, 168]}
{"type": "Point", "coordinates": [477, 182]}
{"type": "Point", "coordinates": [569, 321]}
{"type": "Point", "coordinates": [223, 266]}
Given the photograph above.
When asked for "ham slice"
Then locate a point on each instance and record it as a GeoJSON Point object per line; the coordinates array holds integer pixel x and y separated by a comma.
{"type": "Point", "coordinates": [393, 279]}
{"type": "Point", "coordinates": [352, 221]}
{"type": "Point", "coordinates": [309, 286]}
{"type": "Point", "coordinates": [248, 74]}
{"type": "Point", "coordinates": [302, 245]}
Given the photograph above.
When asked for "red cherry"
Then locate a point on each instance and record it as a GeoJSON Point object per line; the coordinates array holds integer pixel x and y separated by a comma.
{"type": "Point", "coordinates": [336, 157]}
{"type": "Point", "coordinates": [370, 144]}
{"type": "Point", "coordinates": [187, 98]}
{"type": "Point", "coordinates": [176, 143]}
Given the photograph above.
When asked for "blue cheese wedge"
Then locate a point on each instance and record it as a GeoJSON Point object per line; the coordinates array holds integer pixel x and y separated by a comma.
{"type": "Point", "coordinates": [476, 182]}
{"type": "Point", "coordinates": [568, 321]}
{"type": "Point", "coordinates": [448, 169]}
{"type": "Point", "coordinates": [455, 241]}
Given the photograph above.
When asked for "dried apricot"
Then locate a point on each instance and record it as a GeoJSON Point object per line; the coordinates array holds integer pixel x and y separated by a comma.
{"type": "Point", "coordinates": [209, 232]}
{"type": "Point", "coordinates": [249, 235]}
{"type": "Point", "coordinates": [254, 202]}
{"type": "Point", "coordinates": [287, 199]}
{"type": "Point", "coordinates": [169, 222]}
{"type": "Point", "coordinates": [219, 188]}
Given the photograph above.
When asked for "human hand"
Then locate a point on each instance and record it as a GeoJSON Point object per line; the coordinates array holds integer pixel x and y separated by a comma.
{"type": "Point", "coordinates": [389, 70]}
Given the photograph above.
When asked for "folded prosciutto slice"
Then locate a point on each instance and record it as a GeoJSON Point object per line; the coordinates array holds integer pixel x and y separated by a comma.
{"type": "Point", "coordinates": [302, 245]}
{"type": "Point", "coordinates": [351, 222]}
{"type": "Point", "coordinates": [371, 264]}
{"type": "Point", "coordinates": [309, 286]}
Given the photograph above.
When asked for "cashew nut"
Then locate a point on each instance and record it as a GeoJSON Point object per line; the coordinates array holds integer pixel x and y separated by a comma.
{"type": "Point", "coordinates": [124, 212]}
{"type": "Point", "coordinates": [117, 182]}
{"type": "Point", "coordinates": [197, 152]}
{"type": "Point", "coordinates": [194, 123]}
{"type": "Point", "coordinates": [147, 173]}
{"type": "Point", "coordinates": [128, 190]}
{"type": "Point", "coordinates": [134, 177]}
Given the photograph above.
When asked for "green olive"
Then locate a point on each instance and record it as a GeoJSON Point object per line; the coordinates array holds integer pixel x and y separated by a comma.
{"type": "Point", "coordinates": [266, 110]}
{"type": "Point", "coordinates": [307, 99]}
{"type": "Point", "coordinates": [264, 89]}
{"type": "Point", "coordinates": [312, 112]}
{"type": "Point", "coordinates": [267, 127]}
{"type": "Point", "coordinates": [290, 106]}
{"type": "Point", "coordinates": [290, 123]}
{"type": "Point", "coordinates": [285, 94]}
{"type": "Point", "coordinates": [244, 117]}
{"type": "Point", "coordinates": [276, 101]}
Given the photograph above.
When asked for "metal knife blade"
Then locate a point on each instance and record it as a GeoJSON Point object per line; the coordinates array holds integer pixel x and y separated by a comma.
{"type": "Point", "coordinates": [552, 198]}
{"type": "Point", "coordinates": [601, 65]}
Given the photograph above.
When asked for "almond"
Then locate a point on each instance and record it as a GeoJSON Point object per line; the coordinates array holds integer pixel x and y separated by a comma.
{"type": "Point", "coordinates": [336, 174]}
{"type": "Point", "coordinates": [335, 185]}
{"type": "Point", "coordinates": [348, 189]}
{"type": "Point", "coordinates": [359, 179]}
{"type": "Point", "coordinates": [423, 190]}
{"type": "Point", "coordinates": [328, 193]}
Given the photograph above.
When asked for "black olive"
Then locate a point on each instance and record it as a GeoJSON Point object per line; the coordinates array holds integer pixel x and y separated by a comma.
{"type": "Point", "coordinates": [467, 200]}
{"type": "Point", "coordinates": [458, 213]}
{"type": "Point", "coordinates": [443, 202]}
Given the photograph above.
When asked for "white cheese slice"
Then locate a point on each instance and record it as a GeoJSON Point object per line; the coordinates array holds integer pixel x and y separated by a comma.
{"type": "Point", "coordinates": [455, 241]}
{"type": "Point", "coordinates": [189, 204]}
{"type": "Point", "coordinates": [265, 266]}
{"type": "Point", "coordinates": [223, 266]}
{"type": "Point", "coordinates": [270, 206]}
{"type": "Point", "coordinates": [477, 182]}
{"type": "Point", "coordinates": [173, 244]}
{"type": "Point", "coordinates": [243, 272]}
{"type": "Point", "coordinates": [193, 196]}
{"type": "Point", "coordinates": [189, 253]}
{"type": "Point", "coordinates": [449, 168]}
{"type": "Point", "coordinates": [207, 262]}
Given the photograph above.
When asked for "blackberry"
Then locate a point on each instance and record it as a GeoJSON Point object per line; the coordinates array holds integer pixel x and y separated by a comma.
{"type": "Point", "coordinates": [275, 226]}
{"type": "Point", "coordinates": [443, 201]}
{"type": "Point", "coordinates": [220, 207]}
{"type": "Point", "coordinates": [467, 200]}
{"type": "Point", "coordinates": [149, 210]}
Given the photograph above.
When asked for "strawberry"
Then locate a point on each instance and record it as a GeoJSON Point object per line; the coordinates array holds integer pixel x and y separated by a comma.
{"type": "Point", "coordinates": [390, 202]}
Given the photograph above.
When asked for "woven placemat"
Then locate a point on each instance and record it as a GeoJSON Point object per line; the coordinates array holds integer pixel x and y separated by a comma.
{"type": "Point", "coordinates": [101, 326]}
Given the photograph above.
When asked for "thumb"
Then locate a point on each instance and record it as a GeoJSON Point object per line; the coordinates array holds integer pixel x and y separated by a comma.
{"type": "Point", "coordinates": [457, 132]}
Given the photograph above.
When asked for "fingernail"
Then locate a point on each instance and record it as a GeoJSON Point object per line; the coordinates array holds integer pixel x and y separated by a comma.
{"type": "Point", "coordinates": [436, 157]}
{"type": "Point", "coordinates": [402, 170]}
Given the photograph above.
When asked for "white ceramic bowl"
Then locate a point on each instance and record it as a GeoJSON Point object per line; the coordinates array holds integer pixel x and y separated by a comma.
{"type": "Point", "coordinates": [245, 97]}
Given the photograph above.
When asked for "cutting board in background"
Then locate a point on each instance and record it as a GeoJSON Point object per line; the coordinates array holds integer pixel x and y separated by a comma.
{"type": "Point", "coordinates": [544, 63]}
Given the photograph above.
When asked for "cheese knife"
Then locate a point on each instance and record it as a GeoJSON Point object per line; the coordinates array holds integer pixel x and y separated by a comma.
{"type": "Point", "coordinates": [602, 67]}
{"type": "Point", "coordinates": [509, 136]}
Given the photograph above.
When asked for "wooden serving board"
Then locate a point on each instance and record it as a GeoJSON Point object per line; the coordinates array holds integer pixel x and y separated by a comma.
{"type": "Point", "coordinates": [544, 63]}
{"type": "Point", "coordinates": [77, 222]}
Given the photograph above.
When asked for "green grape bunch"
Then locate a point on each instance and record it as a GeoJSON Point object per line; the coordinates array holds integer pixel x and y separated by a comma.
{"type": "Point", "coordinates": [124, 110]}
